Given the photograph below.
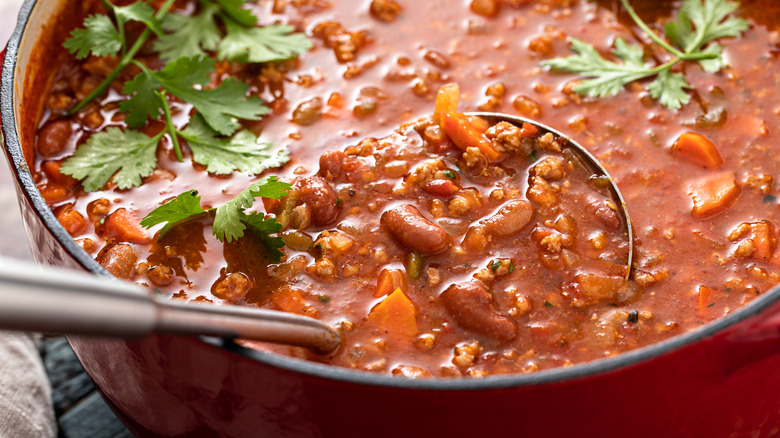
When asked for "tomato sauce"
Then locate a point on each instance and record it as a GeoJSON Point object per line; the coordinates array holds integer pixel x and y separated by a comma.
{"type": "Point", "coordinates": [374, 68]}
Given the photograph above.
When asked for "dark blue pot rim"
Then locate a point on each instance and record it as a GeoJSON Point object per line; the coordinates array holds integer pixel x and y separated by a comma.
{"type": "Point", "coordinates": [556, 375]}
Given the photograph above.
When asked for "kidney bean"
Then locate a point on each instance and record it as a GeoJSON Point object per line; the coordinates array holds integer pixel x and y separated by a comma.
{"type": "Point", "coordinates": [510, 218]}
{"type": "Point", "coordinates": [118, 259]}
{"type": "Point", "coordinates": [318, 194]}
{"type": "Point", "coordinates": [471, 306]}
{"type": "Point", "coordinates": [413, 231]}
{"type": "Point", "coordinates": [53, 138]}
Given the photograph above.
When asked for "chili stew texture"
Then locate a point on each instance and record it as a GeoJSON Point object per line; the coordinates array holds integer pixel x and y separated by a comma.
{"type": "Point", "coordinates": [433, 256]}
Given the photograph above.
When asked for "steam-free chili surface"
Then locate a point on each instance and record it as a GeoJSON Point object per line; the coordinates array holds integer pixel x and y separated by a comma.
{"type": "Point", "coordinates": [441, 303]}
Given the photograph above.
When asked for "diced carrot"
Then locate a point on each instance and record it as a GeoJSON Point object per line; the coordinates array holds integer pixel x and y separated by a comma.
{"type": "Point", "coordinates": [389, 280]}
{"type": "Point", "coordinates": [697, 149]}
{"type": "Point", "coordinates": [528, 130]}
{"type": "Point", "coordinates": [396, 314]}
{"type": "Point", "coordinates": [52, 171]}
{"type": "Point", "coordinates": [121, 225]}
{"type": "Point", "coordinates": [441, 187]}
{"type": "Point", "coordinates": [714, 194]}
{"type": "Point", "coordinates": [478, 123]}
{"type": "Point", "coordinates": [291, 300]}
{"type": "Point", "coordinates": [703, 297]}
{"type": "Point", "coordinates": [73, 222]}
{"type": "Point", "coordinates": [461, 131]}
{"type": "Point", "coordinates": [53, 193]}
{"type": "Point", "coordinates": [446, 101]}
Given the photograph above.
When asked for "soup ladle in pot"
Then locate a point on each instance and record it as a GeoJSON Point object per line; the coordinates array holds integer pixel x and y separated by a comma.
{"type": "Point", "coordinates": [68, 302]}
{"type": "Point", "coordinates": [585, 161]}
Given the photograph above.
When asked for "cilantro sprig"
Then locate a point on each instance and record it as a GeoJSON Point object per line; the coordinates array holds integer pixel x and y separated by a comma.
{"type": "Point", "coordinates": [231, 220]}
{"type": "Point", "coordinates": [692, 36]}
{"type": "Point", "coordinates": [242, 40]}
{"type": "Point", "coordinates": [213, 133]}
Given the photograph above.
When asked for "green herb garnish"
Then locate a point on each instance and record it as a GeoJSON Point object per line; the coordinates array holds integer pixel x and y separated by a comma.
{"type": "Point", "coordinates": [450, 174]}
{"type": "Point", "coordinates": [548, 304]}
{"type": "Point", "coordinates": [213, 133]}
{"type": "Point", "coordinates": [495, 264]}
{"type": "Point", "coordinates": [230, 218]}
{"type": "Point", "coordinates": [691, 35]}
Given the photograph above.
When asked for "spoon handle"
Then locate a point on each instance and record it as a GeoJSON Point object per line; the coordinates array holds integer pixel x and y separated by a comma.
{"type": "Point", "coordinates": [69, 302]}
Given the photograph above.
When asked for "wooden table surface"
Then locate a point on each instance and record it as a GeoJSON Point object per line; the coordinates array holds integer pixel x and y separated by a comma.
{"type": "Point", "coordinates": [80, 410]}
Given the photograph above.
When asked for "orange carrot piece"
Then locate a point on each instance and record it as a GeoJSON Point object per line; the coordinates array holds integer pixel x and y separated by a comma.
{"type": "Point", "coordinates": [704, 297]}
{"type": "Point", "coordinates": [713, 194]}
{"type": "Point", "coordinates": [396, 314]}
{"type": "Point", "coordinates": [121, 225]}
{"type": "Point", "coordinates": [291, 300]}
{"type": "Point", "coordinates": [52, 171]}
{"type": "Point", "coordinates": [528, 130]}
{"type": "Point", "coordinates": [53, 193]}
{"type": "Point", "coordinates": [73, 222]}
{"type": "Point", "coordinates": [697, 149]}
{"type": "Point", "coordinates": [389, 280]}
{"type": "Point", "coordinates": [446, 101]}
{"type": "Point", "coordinates": [462, 132]}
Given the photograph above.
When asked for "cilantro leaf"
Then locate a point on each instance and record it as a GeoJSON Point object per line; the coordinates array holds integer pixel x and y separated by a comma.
{"type": "Point", "coordinates": [178, 209]}
{"type": "Point", "coordinates": [698, 24]}
{"type": "Point", "coordinates": [128, 156]}
{"type": "Point", "coordinates": [185, 73]}
{"type": "Point", "coordinates": [143, 102]}
{"type": "Point", "coordinates": [711, 21]}
{"type": "Point", "coordinates": [228, 222]}
{"type": "Point", "coordinates": [669, 88]}
{"type": "Point", "coordinates": [261, 44]}
{"type": "Point", "coordinates": [243, 152]}
{"type": "Point", "coordinates": [262, 227]}
{"type": "Point", "coordinates": [98, 37]}
{"type": "Point", "coordinates": [189, 36]}
{"type": "Point", "coordinates": [221, 106]}
{"type": "Point", "coordinates": [715, 64]}
{"type": "Point", "coordinates": [608, 77]}
{"type": "Point", "coordinates": [138, 11]}
{"type": "Point", "coordinates": [234, 10]}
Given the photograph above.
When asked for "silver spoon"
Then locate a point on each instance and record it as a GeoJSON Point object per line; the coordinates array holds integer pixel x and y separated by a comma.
{"type": "Point", "coordinates": [587, 160]}
{"type": "Point", "coordinates": [68, 302]}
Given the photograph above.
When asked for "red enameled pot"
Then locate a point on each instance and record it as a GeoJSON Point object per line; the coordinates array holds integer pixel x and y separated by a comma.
{"type": "Point", "coordinates": [720, 380]}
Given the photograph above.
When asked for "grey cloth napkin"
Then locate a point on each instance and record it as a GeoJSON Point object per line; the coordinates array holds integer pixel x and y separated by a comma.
{"type": "Point", "coordinates": [25, 394]}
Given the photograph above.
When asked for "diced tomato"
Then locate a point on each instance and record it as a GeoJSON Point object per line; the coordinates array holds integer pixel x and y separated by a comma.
{"type": "Point", "coordinates": [441, 187]}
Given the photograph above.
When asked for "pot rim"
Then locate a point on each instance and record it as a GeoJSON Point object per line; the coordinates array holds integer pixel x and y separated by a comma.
{"type": "Point", "coordinates": [23, 176]}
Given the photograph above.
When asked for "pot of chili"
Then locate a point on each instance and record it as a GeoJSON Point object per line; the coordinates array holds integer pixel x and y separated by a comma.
{"type": "Point", "coordinates": [695, 325]}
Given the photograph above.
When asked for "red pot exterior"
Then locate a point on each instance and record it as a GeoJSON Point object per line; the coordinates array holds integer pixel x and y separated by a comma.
{"type": "Point", "coordinates": [722, 381]}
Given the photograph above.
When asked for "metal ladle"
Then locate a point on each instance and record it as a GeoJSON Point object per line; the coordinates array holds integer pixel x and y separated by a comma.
{"type": "Point", "coordinates": [586, 159]}
{"type": "Point", "coordinates": [68, 302]}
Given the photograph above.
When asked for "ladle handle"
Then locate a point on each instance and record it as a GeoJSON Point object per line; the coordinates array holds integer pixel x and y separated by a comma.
{"type": "Point", "coordinates": [60, 301]}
